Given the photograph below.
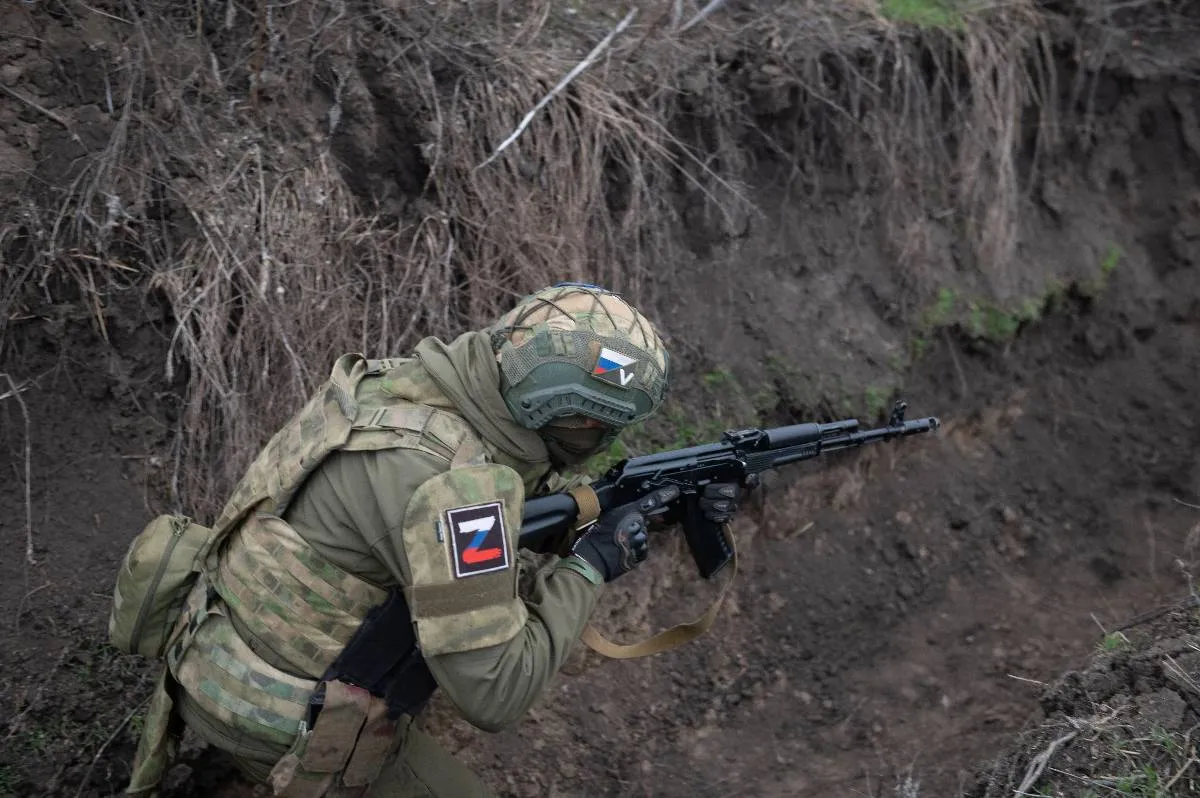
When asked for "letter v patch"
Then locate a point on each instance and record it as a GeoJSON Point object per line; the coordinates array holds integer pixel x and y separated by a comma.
{"type": "Point", "coordinates": [614, 368]}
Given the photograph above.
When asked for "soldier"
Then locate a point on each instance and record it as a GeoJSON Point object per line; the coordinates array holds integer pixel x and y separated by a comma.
{"type": "Point", "coordinates": [368, 557]}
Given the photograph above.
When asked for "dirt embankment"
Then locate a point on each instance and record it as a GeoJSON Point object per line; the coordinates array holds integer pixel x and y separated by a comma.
{"type": "Point", "coordinates": [898, 614]}
{"type": "Point", "coordinates": [1124, 724]}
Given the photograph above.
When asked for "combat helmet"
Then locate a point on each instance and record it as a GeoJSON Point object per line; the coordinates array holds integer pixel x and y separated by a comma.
{"type": "Point", "coordinates": [578, 351]}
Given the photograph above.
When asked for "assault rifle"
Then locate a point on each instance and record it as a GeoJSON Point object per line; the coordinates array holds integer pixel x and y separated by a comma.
{"type": "Point", "coordinates": [740, 456]}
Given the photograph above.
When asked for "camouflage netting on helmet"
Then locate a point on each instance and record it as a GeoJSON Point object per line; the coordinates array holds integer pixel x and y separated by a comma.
{"type": "Point", "coordinates": [577, 350]}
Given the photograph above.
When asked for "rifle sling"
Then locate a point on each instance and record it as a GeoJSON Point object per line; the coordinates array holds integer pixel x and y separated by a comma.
{"type": "Point", "coordinates": [668, 638]}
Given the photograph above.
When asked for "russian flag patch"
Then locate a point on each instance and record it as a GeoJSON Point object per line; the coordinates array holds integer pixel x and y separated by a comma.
{"type": "Point", "coordinates": [614, 368]}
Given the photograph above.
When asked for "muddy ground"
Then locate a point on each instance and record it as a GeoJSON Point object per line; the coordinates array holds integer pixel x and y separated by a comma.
{"type": "Point", "coordinates": [899, 615]}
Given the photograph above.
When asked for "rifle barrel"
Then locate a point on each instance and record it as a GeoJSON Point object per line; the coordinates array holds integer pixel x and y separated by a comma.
{"type": "Point", "coordinates": [852, 438]}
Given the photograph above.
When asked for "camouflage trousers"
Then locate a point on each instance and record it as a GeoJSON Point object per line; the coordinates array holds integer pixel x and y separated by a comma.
{"type": "Point", "coordinates": [423, 769]}
{"type": "Point", "coordinates": [426, 770]}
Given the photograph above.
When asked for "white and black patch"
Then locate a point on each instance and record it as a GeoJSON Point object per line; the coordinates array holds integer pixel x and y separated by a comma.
{"type": "Point", "coordinates": [478, 538]}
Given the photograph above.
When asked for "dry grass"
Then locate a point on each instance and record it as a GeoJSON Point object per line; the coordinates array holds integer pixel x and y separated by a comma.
{"type": "Point", "coordinates": [268, 294]}
{"type": "Point", "coordinates": [1112, 751]}
{"type": "Point", "coordinates": [299, 180]}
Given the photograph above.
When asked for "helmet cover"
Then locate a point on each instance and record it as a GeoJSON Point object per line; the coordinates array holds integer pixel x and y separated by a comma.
{"type": "Point", "coordinates": [576, 349]}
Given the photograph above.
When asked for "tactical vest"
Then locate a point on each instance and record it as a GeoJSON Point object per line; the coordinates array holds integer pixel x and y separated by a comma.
{"type": "Point", "coordinates": [265, 590]}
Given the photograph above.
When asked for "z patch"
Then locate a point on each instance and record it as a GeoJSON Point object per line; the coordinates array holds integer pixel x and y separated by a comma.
{"type": "Point", "coordinates": [613, 367]}
{"type": "Point", "coordinates": [478, 538]}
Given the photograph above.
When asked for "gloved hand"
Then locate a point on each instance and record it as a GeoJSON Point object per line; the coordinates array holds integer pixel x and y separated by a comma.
{"type": "Point", "coordinates": [617, 543]}
{"type": "Point", "coordinates": [719, 501]}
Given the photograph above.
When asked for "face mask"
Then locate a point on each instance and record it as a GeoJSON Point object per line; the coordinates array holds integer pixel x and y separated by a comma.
{"type": "Point", "coordinates": [570, 444]}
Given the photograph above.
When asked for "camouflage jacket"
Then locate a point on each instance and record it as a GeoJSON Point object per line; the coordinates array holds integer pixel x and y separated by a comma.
{"type": "Point", "coordinates": [413, 497]}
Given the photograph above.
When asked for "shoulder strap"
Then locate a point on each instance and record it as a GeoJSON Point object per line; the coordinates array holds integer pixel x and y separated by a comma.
{"type": "Point", "coordinates": [321, 426]}
{"type": "Point", "coordinates": [421, 427]}
{"type": "Point", "coordinates": [334, 418]}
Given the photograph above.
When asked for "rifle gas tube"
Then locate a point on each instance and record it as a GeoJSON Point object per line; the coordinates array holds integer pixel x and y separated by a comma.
{"type": "Point", "coordinates": [740, 456]}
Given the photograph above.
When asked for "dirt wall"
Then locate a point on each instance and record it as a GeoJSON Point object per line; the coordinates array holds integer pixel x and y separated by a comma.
{"type": "Point", "coordinates": [897, 614]}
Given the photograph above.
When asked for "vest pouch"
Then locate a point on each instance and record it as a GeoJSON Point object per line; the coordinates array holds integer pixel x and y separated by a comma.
{"type": "Point", "coordinates": [158, 571]}
{"type": "Point", "coordinates": [345, 749]}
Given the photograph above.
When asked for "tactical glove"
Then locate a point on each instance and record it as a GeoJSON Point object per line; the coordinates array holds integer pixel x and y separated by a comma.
{"type": "Point", "coordinates": [617, 542]}
{"type": "Point", "coordinates": [719, 501]}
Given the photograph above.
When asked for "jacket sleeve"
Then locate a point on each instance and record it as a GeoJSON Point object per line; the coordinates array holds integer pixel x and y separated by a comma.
{"type": "Point", "coordinates": [353, 511]}
{"type": "Point", "coordinates": [493, 687]}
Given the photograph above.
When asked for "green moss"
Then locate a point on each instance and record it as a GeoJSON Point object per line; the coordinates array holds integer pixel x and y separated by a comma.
{"type": "Point", "coordinates": [1095, 286]}
{"type": "Point", "coordinates": [927, 14]}
{"type": "Point", "coordinates": [898, 362]}
{"type": "Point", "coordinates": [1032, 309]}
{"type": "Point", "coordinates": [943, 310]}
{"type": "Point", "coordinates": [8, 781]}
{"type": "Point", "coordinates": [1112, 258]}
{"type": "Point", "coordinates": [37, 741]}
{"type": "Point", "coordinates": [685, 429]}
{"type": "Point", "coordinates": [764, 401]}
{"type": "Point", "coordinates": [618, 450]}
{"type": "Point", "coordinates": [1115, 641]}
{"type": "Point", "coordinates": [980, 319]}
{"type": "Point", "coordinates": [781, 369]}
{"type": "Point", "coordinates": [877, 399]}
{"type": "Point", "coordinates": [718, 378]}
{"type": "Point", "coordinates": [919, 346]}
{"type": "Point", "coordinates": [991, 323]}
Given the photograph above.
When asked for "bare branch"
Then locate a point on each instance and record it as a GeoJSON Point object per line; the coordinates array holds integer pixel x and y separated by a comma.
{"type": "Point", "coordinates": [702, 15]}
{"type": "Point", "coordinates": [676, 14]}
{"type": "Point", "coordinates": [562, 84]}
{"type": "Point", "coordinates": [87, 775]}
{"type": "Point", "coordinates": [1038, 764]}
{"type": "Point", "coordinates": [16, 95]}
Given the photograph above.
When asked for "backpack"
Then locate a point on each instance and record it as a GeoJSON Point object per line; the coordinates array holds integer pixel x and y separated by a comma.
{"type": "Point", "coordinates": [156, 574]}
{"type": "Point", "coordinates": [165, 560]}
